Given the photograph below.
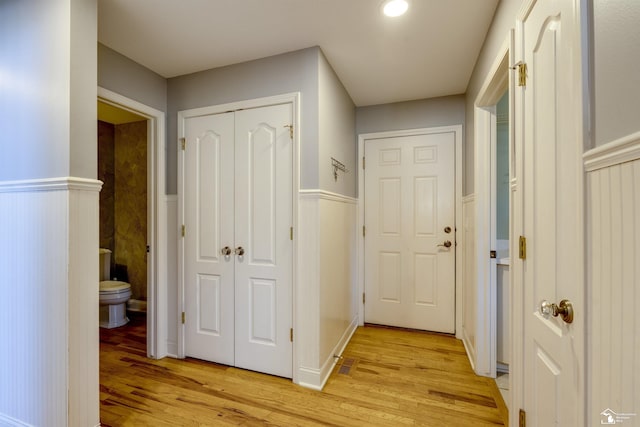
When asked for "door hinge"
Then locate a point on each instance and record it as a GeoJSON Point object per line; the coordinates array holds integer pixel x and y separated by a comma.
{"type": "Point", "coordinates": [291, 233]}
{"type": "Point", "coordinates": [364, 231]}
{"type": "Point", "coordinates": [183, 142]}
{"type": "Point", "coordinates": [363, 298]}
{"type": "Point", "coordinates": [522, 418]}
{"type": "Point", "coordinates": [184, 229]}
{"type": "Point", "coordinates": [291, 334]}
{"type": "Point", "coordinates": [522, 74]}
{"type": "Point", "coordinates": [522, 247]}
{"type": "Point", "coordinates": [290, 130]}
{"type": "Point", "coordinates": [492, 254]}
{"type": "Point", "coordinates": [363, 163]}
{"type": "Point", "coordinates": [183, 317]}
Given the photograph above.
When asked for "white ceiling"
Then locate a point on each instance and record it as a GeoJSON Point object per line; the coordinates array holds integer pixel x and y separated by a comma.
{"type": "Point", "coordinates": [429, 52]}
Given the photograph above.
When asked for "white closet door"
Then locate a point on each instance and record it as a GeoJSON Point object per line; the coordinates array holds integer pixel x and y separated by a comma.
{"type": "Point", "coordinates": [208, 213]}
{"type": "Point", "coordinates": [263, 206]}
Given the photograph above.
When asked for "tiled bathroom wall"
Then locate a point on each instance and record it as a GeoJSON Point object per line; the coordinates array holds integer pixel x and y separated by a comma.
{"type": "Point", "coordinates": [123, 201]}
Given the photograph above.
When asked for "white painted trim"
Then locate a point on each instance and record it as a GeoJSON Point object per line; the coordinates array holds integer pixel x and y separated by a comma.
{"type": "Point", "coordinates": [316, 379]}
{"type": "Point", "coordinates": [326, 195]}
{"type": "Point", "coordinates": [362, 138]}
{"type": "Point", "coordinates": [294, 99]}
{"type": "Point", "coordinates": [8, 421]}
{"type": "Point", "coordinates": [157, 219]}
{"type": "Point", "coordinates": [622, 150]}
{"type": "Point", "coordinates": [496, 82]}
{"type": "Point", "coordinates": [50, 184]}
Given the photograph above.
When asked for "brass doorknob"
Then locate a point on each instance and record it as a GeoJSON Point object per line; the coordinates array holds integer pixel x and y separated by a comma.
{"type": "Point", "coordinates": [226, 251]}
{"type": "Point", "coordinates": [239, 251]}
{"type": "Point", "coordinates": [446, 244]}
{"type": "Point", "coordinates": [564, 310]}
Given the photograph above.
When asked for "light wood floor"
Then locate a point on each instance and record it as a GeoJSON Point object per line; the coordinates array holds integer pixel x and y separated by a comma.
{"type": "Point", "coordinates": [386, 377]}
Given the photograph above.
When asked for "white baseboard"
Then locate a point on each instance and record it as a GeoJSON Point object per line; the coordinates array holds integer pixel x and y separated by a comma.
{"type": "Point", "coordinates": [469, 350]}
{"type": "Point", "coordinates": [316, 378]}
{"type": "Point", "coordinates": [8, 421]}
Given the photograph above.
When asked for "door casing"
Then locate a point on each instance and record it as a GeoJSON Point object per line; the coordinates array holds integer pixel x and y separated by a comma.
{"type": "Point", "coordinates": [294, 99]}
{"type": "Point", "coordinates": [157, 226]}
{"type": "Point", "coordinates": [362, 139]}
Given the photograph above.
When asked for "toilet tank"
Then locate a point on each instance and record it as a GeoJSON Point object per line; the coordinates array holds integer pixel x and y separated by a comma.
{"type": "Point", "coordinates": [105, 264]}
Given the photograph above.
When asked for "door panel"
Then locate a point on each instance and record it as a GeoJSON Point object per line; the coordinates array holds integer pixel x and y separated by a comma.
{"type": "Point", "coordinates": [553, 215]}
{"type": "Point", "coordinates": [409, 200]}
{"type": "Point", "coordinates": [209, 276]}
{"type": "Point", "coordinates": [264, 160]}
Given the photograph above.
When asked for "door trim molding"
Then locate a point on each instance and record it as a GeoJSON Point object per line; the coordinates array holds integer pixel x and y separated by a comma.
{"type": "Point", "coordinates": [157, 239]}
{"type": "Point", "coordinates": [498, 80]}
{"type": "Point", "coordinates": [292, 98]}
{"type": "Point", "coordinates": [362, 138]}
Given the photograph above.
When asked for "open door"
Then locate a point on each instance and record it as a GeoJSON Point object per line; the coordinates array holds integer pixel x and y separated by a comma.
{"type": "Point", "coordinates": [550, 266]}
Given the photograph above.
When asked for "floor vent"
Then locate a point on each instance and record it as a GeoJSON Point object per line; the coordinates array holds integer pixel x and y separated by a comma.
{"type": "Point", "coordinates": [346, 366]}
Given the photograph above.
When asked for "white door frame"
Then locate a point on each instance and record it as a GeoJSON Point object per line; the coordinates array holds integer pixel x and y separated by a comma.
{"type": "Point", "coordinates": [294, 99]}
{"type": "Point", "coordinates": [156, 219]}
{"type": "Point", "coordinates": [498, 80]}
{"type": "Point", "coordinates": [362, 138]}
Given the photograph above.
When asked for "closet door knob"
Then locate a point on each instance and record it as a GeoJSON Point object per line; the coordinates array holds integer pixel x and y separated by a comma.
{"type": "Point", "coordinates": [239, 251]}
{"type": "Point", "coordinates": [226, 251]}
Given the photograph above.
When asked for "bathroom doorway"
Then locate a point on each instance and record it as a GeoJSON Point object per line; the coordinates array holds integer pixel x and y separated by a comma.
{"type": "Point", "coordinates": [134, 168]}
{"type": "Point", "coordinates": [122, 167]}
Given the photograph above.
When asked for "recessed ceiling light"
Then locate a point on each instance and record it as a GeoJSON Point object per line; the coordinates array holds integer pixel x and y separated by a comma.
{"type": "Point", "coordinates": [393, 8]}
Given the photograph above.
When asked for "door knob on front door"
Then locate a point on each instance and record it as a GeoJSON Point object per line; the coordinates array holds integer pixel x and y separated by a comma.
{"type": "Point", "coordinates": [445, 244]}
{"type": "Point", "coordinates": [239, 251]}
{"type": "Point", "coordinates": [564, 309]}
{"type": "Point", "coordinates": [226, 251]}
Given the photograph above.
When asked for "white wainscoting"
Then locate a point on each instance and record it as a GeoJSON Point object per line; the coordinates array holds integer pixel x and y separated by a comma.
{"type": "Point", "coordinates": [469, 282]}
{"type": "Point", "coordinates": [613, 288]}
{"type": "Point", "coordinates": [172, 299]}
{"type": "Point", "coordinates": [326, 304]}
{"type": "Point", "coordinates": [49, 307]}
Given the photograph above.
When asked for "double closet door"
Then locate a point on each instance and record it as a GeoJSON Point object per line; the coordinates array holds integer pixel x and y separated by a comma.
{"type": "Point", "coordinates": [237, 179]}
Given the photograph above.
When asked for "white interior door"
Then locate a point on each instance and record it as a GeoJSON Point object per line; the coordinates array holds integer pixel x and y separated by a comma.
{"type": "Point", "coordinates": [553, 215]}
{"type": "Point", "coordinates": [238, 200]}
{"type": "Point", "coordinates": [264, 160]}
{"type": "Point", "coordinates": [209, 219]}
{"type": "Point", "coordinates": [409, 218]}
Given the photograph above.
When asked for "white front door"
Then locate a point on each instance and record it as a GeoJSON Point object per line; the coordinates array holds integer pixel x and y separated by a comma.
{"type": "Point", "coordinates": [553, 211]}
{"type": "Point", "coordinates": [238, 201]}
{"type": "Point", "coordinates": [410, 231]}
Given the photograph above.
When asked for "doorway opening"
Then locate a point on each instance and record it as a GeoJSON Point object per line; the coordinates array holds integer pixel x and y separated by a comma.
{"type": "Point", "coordinates": [133, 215]}
{"type": "Point", "coordinates": [494, 155]}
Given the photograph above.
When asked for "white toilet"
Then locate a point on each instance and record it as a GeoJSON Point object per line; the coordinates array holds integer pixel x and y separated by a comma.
{"type": "Point", "coordinates": [113, 295]}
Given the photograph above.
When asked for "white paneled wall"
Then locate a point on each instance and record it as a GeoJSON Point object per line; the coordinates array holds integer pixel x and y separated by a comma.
{"type": "Point", "coordinates": [49, 303]}
{"type": "Point", "coordinates": [613, 185]}
{"type": "Point", "coordinates": [469, 282]}
{"type": "Point", "coordinates": [326, 313]}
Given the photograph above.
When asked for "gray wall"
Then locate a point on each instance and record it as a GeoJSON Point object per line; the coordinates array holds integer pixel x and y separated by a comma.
{"type": "Point", "coordinates": [503, 20]}
{"type": "Point", "coordinates": [120, 74]}
{"type": "Point", "coordinates": [444, 111]}
{"type": "Point", "coordinates": [43, 109]}
{"type": "Point", "coordinates": [336, 132]}
{"type": "Point", "coordinates": [290, 72]}
{"type": "Point", "coordinates": [616, 69]}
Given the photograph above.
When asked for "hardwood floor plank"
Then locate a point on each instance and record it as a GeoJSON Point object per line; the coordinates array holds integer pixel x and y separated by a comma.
{"type": "Point", "coordinates": [386, 377]}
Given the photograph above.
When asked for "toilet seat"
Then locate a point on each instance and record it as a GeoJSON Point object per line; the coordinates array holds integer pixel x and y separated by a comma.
{"type": "Point", "coordinates": [113, 286]}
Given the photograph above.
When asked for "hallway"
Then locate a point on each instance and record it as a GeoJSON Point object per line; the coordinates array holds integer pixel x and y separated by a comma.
{"type": "Point", "coordinates": [386, 377]}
